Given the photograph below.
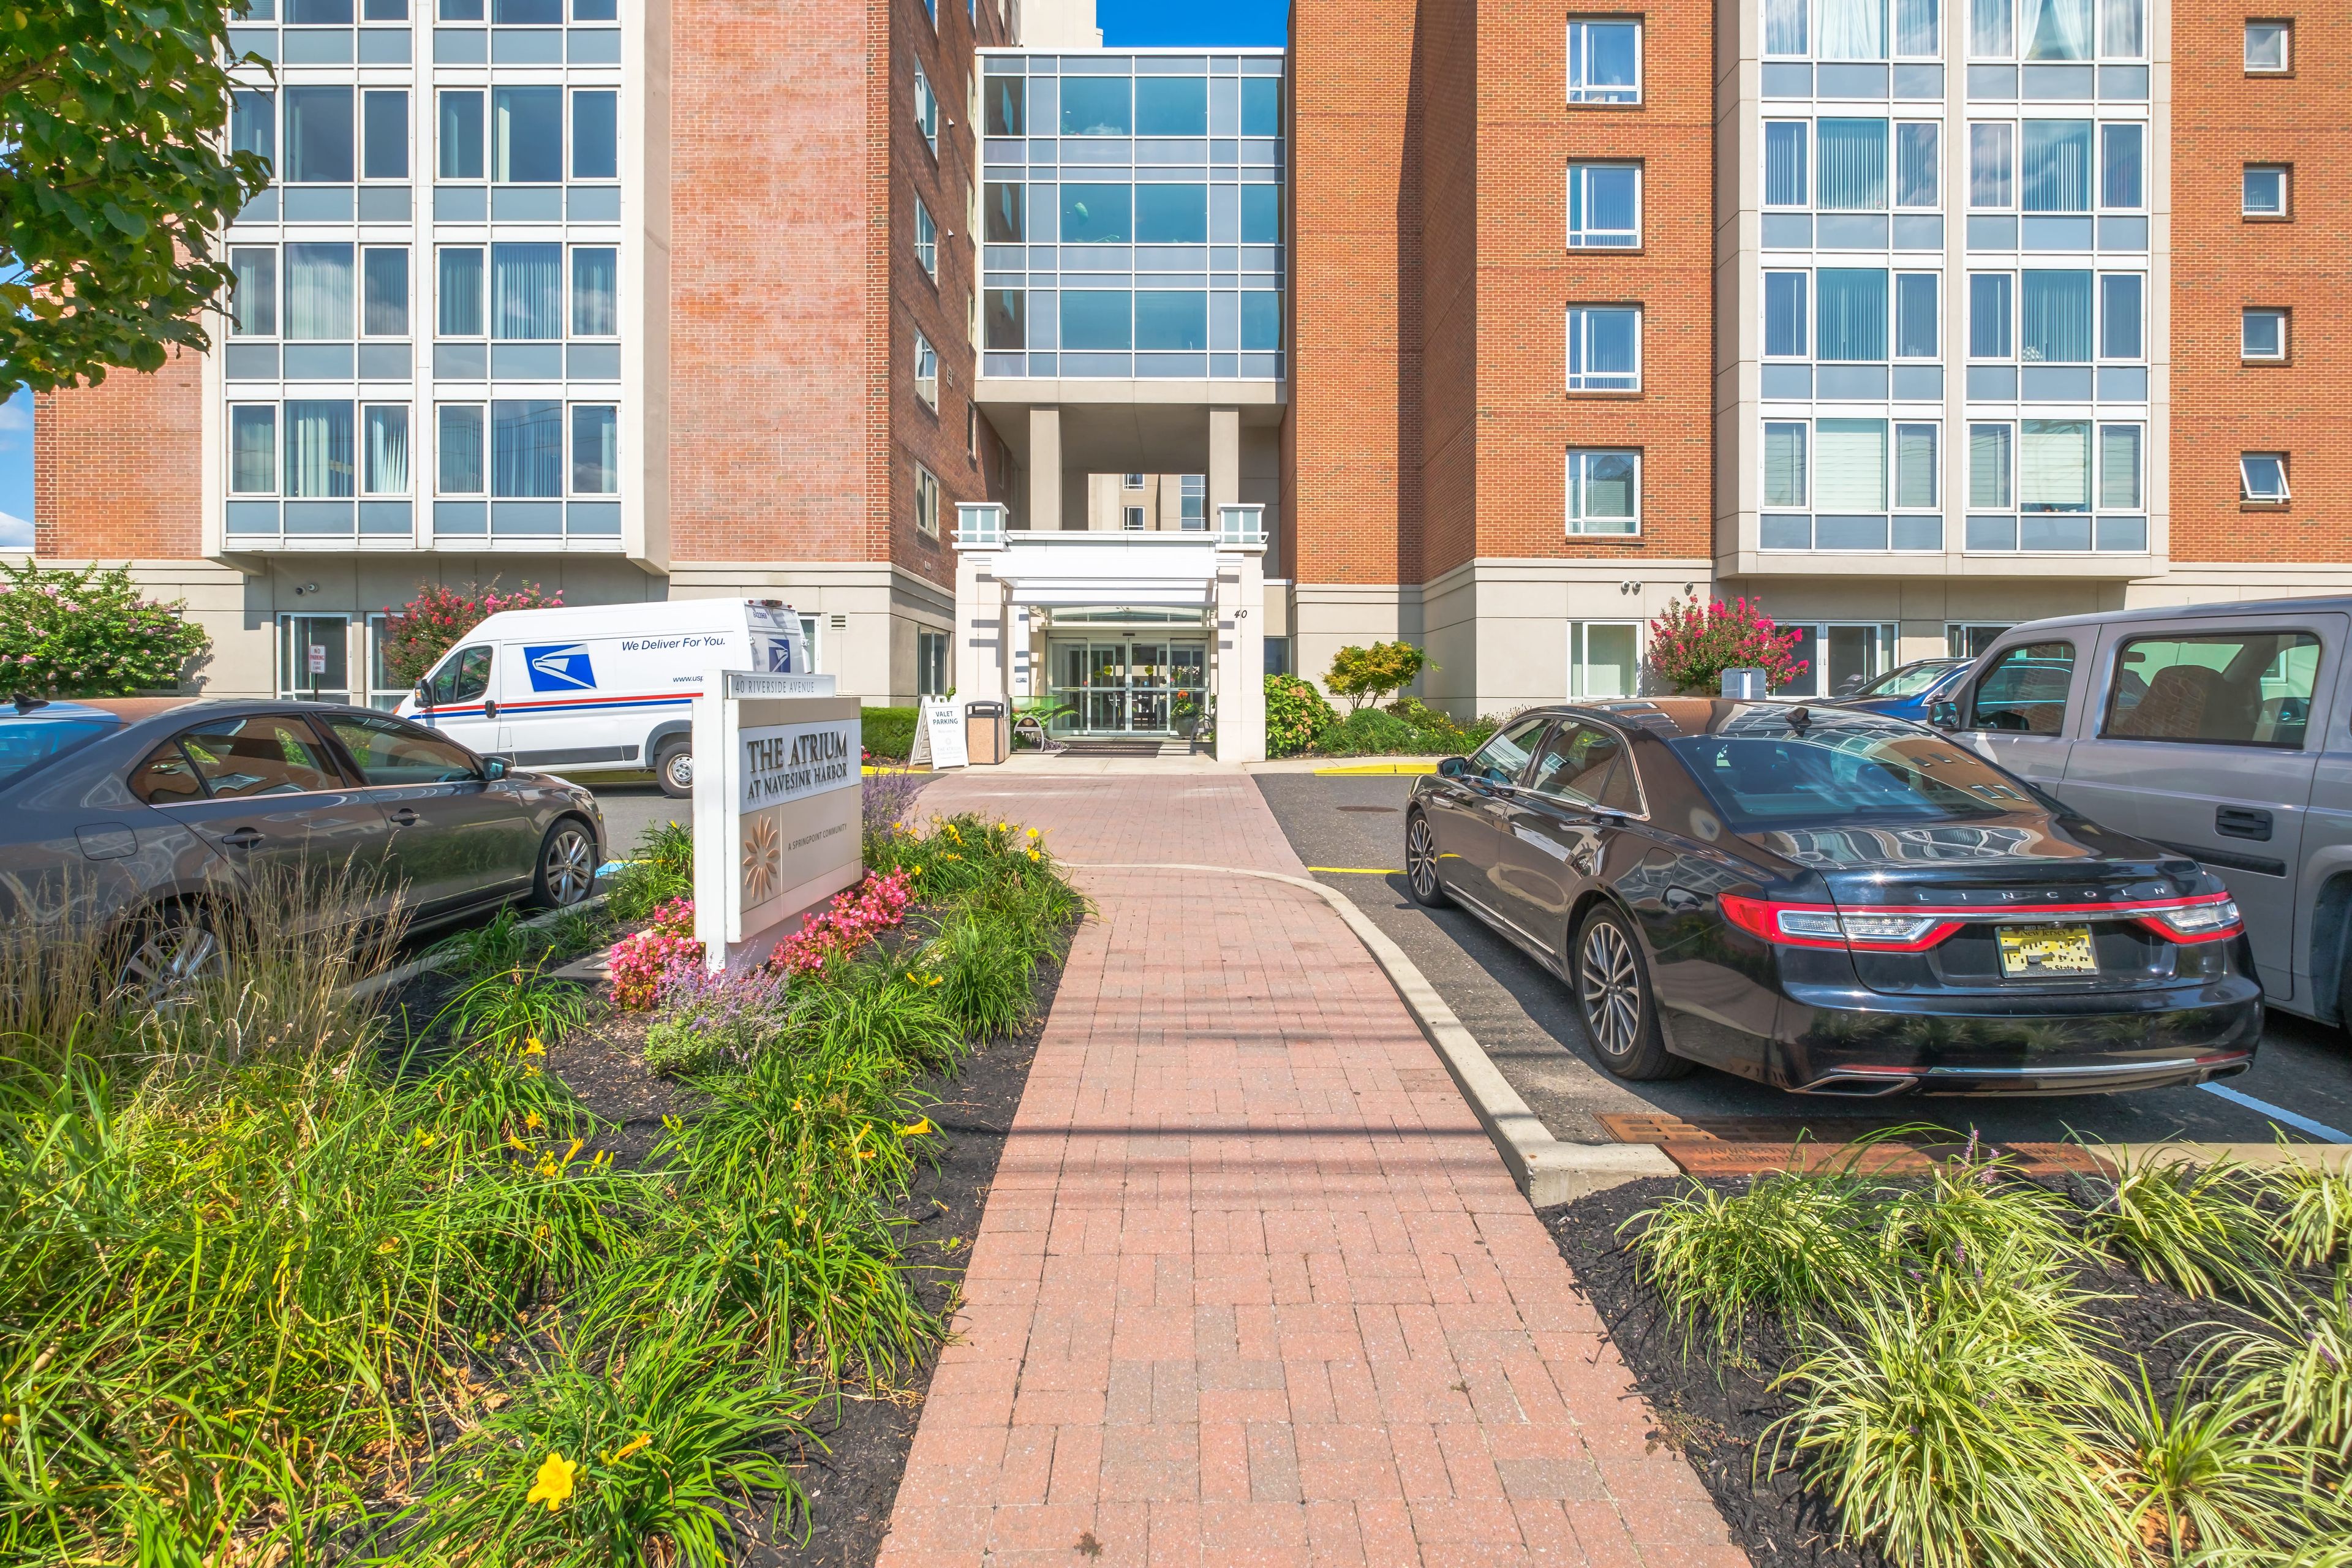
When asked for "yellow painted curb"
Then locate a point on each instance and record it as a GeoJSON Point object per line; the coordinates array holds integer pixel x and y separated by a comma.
{"type": "Point", "coordinates": [1357, 870]}
{"type": "Point", "coordinates": [1379, 769]}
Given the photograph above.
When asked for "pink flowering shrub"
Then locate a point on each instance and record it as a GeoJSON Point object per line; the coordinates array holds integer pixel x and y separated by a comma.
{"type": "Point", "coordinates": [857, 917]}
{"type": "Point", "coordinates": [643, 963]}
{"type": "Point", "coordinates": [417, 634]}
{"type": "Point", "coordinates": [1692, 645]}
{"type": "Point", "coordinates": [87, 633]}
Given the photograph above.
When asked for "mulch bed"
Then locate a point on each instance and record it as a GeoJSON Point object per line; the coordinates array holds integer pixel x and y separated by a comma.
{"type": "Point", "coordinates": [1714, 1412]}
{"type": "Point", "coordinates": [851, 1473]}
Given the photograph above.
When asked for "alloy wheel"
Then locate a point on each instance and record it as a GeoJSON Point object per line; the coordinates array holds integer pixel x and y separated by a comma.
{"type": "Point", "coordinates": [570, 870]}
{"type": "Point", "coordinates": [174, 957]}
{"type": "Point", "coordinates": [1421, 857]}
{"type": "Point", "coordinates": [1611, 989]}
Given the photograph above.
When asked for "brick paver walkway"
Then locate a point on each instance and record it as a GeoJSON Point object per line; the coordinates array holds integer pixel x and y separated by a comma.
{"type": "Point", "coordinates": [1252, 1287]}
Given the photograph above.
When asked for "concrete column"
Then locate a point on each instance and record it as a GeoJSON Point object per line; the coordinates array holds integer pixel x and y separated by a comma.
{"type": "Point", "coordinates": [982, 629]}
{"type": "Point", "coordinates": [1224, 460]}
{"type": "Point", "coordinates": [1241, 651]}
{"type": "Point", "coordinates": [1045, 470]}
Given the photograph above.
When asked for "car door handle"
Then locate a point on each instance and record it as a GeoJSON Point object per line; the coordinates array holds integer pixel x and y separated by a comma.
{"type": "Point", "coordinates": [241, 837]}
{"type": "Point", "coordinates": [406, 817]}
{"type": "Point", "coordinates": [2242, 822]}
{"type": "Point", "coordinates": [489, 708]}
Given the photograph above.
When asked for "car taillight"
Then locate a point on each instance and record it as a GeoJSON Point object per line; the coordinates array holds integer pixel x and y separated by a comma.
{"type": "Point", "coordinates": [2208, 918]}
{"type": "Point", "coordinates": [1820, 925]}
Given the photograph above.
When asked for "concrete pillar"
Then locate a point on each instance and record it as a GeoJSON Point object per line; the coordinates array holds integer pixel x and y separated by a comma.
{"type": "Point", "coordinates": [1241, 651]}
{"type": "Point", "coordinates": [1224, 460]}
{"type": "Point", "coordinates": [1045, 470]}
{"type": "Point", "coordinates": [982, 632]}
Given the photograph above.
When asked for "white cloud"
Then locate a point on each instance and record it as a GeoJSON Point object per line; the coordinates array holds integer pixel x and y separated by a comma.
{"type": "Point", "coordinates": [16, 532]}
{"type": "Point", "coordinates": [16, 415]}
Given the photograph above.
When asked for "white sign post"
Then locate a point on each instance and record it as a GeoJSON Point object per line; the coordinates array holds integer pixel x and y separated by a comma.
{"type": "Point", "coordinates": [778, 810]}
{"type": "Point", "coordinates": [938, 736]}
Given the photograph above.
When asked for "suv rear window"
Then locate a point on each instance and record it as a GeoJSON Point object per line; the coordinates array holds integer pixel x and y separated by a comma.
{"type": "Point", "coordinates": [2221, 689]}
{"type": "Point", "coordinates": [1838, 776]}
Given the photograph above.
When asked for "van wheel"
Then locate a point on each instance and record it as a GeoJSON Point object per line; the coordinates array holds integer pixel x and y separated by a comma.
{"type": "Point", "coordinates": [673, 766]}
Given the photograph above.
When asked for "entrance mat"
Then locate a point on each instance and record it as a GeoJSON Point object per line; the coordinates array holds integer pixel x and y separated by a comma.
{"type": "Point", "coordinates": [1140, 746]}
{"type": "Point", "coordinates": [1749, 1145]}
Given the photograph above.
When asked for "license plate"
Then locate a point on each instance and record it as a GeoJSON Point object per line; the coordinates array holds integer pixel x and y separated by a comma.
{"type": "Point", "coordinates": [2047, 950]}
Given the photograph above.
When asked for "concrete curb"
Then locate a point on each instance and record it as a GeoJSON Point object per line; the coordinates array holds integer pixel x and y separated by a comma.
{"type": "Point", "coordinates": [361, 990]}
{"type": "Point", "coordinates": [1548, 1170]}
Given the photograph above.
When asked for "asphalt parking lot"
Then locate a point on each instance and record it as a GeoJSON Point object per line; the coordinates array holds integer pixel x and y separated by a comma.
{"type": "Point", "coordinates": [1528, 1023]}
{"type": "Point", "coordinates": [631, 809]}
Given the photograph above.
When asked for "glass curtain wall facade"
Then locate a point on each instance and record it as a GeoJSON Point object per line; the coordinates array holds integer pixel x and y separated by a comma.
{"type": "Point", "coordinates": [425, 337]}
{"type": "Point", "coordinates": [1131, 214]}
{"type": "Point", "coordinates": [1956, 287]}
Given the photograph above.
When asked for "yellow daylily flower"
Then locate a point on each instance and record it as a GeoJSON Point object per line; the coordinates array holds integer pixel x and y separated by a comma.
{"type": "Point", "coordinates": [642, 1440]}
{"type": "Point", "coordinates": [534, 1046]}
{"type": "Point", "coordinates": [532, 1122]}
{"type": "Point", "coordinates": [916, 1128]}
{"type": "Point", "coordinates": [553, 1483]}
{"type": "Point", "coordinates": [516, 1144]}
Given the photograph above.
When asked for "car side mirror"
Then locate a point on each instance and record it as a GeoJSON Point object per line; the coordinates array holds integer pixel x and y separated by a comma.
{"type": "Point", "coordinates": [1453, 767]}
{"type": "Point", "coordinates": [1944, 715]}
{"type": "Point", "coordinates": [494, 768]}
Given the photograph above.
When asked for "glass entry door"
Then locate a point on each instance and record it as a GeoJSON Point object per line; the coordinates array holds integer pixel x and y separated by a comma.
{"type": "Point", "coordinates": [1141, 688]}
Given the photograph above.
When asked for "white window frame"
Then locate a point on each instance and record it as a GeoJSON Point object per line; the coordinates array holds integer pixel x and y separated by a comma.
{"type": "Point", "coordinates": [931, 638]}
{"type": "Point", "coordinates": [408, 304]}
{"type": "Point", "coordinates": [1580, 331]}
{"type": "Point", "coordinates": [1957, 635]}
{"type": "Point", "coordinates": [1578, 522]}
{"type": "Point", "coordinates": [927, 504]}
{"type": "Point", "coordinates": [1131, 481]}
{"type": "Point", "coordinates": [1585, 94]}
{"type": "Point", "coordinates": [571, 460]}
{"type": "Point", "coordinates": [1578, 167]}
{"type": "Point", "coordinates": [1579, 648]}
{"type": "Point", "coordinates": [360, 453]}
{"type": "Point", "coordinates": [2285, 27]}
{"type": "Point", "coordinates": [294, 685]}
{"type": "Point", "coordinates": [926, 110]}
{"type": "Point", "coordinates": [2246, 492]}
{"type": "Point", "coordinates": [2285, 319]}
{"type": "Point", "coordinates": [483, 409]}
{"type": "Point", "coordinates": [927, 372]}
{"type": "Point", "coordinates": [926, 241]}
{"type": "Point", "coordinates": [1883, 656]}
{"type": "Point", "coordinates": [2099, 49]}
{"type": "Point", "coordinates": [277, 455]}
{"type": "Point", "coordinates": [2285, 173]}
{"type": "Point", "coordinates": [1131, 519]}
{"type": "Point", "coordinates": [1804, 501]}
{"type": "Point", "coordinates": [812, 631]}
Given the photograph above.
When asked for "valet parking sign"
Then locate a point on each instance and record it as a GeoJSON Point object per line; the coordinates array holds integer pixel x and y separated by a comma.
{"type": "Point", "coordinates": [777, 810]}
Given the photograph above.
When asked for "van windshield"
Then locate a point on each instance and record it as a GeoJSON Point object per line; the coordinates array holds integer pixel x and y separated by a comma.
{"type": "Point", "coordinates": [1835, 777]}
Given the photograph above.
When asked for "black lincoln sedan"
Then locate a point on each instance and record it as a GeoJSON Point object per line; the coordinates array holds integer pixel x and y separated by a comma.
{"type": "Point", "coordinates": [1835, 903]}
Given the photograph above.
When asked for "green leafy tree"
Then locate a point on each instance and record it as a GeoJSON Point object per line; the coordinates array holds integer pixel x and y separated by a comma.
{"type": "Point", "coordinates": [115, 181]}
{"type": "Point", "coordinates": [88, 634]}
{"type": "Point", "coordinates": [1692, 643]}
{"type": "Point", "coordinates": [417, 634]}
{"type": "Point", "coordinates": [1364, 675]}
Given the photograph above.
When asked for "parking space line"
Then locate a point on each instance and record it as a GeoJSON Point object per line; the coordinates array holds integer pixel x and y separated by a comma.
{"type": "Point", "coordinates": [2319, 1130]}
{"type": "Point", "coordinates": [1357, 870]}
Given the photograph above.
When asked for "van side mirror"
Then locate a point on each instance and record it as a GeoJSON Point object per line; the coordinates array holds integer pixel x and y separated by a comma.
{"type": "Point", "coordinates": [1453, 767]}
{"type": "Point", "coordinates": [424, 694]}
{"type": "Point", "coordinates": [1944, 714]}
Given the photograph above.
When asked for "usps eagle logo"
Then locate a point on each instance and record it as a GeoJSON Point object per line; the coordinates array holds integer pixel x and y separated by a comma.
{"type": "Point", "coordinates": [562, 667]}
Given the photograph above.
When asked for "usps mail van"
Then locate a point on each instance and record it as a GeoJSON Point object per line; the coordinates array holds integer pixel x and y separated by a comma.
{"type": "Point", "coordinates": [594, 689]}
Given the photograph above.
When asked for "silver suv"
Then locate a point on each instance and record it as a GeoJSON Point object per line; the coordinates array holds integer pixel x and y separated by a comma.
{"type": "Point", "coordinates": [2216, 729]}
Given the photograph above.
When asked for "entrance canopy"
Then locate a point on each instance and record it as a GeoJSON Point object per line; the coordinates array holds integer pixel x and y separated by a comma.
{"type": "Point", "coordinates": [1165, 571]}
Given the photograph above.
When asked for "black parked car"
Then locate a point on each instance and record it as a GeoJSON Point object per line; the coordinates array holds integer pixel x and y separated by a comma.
{"type": "Point", "coordinates": [138, 813]}
{"type": "Point", "coordinates": [1833, 902]}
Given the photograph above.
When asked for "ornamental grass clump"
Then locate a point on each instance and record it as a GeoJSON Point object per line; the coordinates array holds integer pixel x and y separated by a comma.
{"type": "Point", "coordinates": [2201, 1475]}
{"type": "Point", "coordinates": [2195, 1226]}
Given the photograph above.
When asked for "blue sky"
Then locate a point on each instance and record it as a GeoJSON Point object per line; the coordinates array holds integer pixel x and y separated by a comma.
{"type": "Point", "coordinates": [1136, 23]}
{"type": "Point", "coordinates": [1125, 24]}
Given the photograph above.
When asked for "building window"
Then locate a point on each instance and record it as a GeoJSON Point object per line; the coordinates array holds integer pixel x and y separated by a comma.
{"type": "Point", "coordinates": [527, 448]}
{"type": "Point", "coordinates": [1990, 479]}
{"type": "Point", "coordinates": [384, 449]}
{"type": "Point", "coordinates": [1963, 641]}
{"type": "Point", "coordinates": [317, 137]}
{"type": "Point", "coordinates": [2121, 317]}
{"type": "Point", "coordinates": [1849, 465]}
{"type": "Point", "coordinates": [1133, 519]}
{"type": "Point", "coordinates": [1192, 502]}
{"type": "Point", "coordinates": [1849, 156]}
{"type": "Point", "coordinates": [2261, 333]}
{"type": "Point", "coordinates": [460, 292]}
{"type": "Point", "coordinates": [319, 449]}
{"type": "Point", "coordinates": [1787, 479]}
{"type": "Point", "coordinates": [1990, 155]}
{"type": "Point", "coordinates": [927, 372]}
{"type": "Point", "coordinates": [930, 664]}
{"type": "Point", "coordinates": [1850, 314]}
{"type": "Point", "coordinates": [2262, 479]}
{"type": "Point", "coordinates": [527, 135]}
{"type": "Point", "coordinates": [2054, 166]}
{"type": "Point", "coordinates": [460, 449]}
{"type": "Point", "coordinates": [321, 298]}
{"type": "Point", "coordinates": [526, 292]}
{"type": "Point", "coordinates": [1604, 659]}
{"type": "Point", "coordinates": [253, 449]}
{"type": "Point", "coordinates": [1784, 315]}
{"type": "Point", "coordinates": [1277, 656]}
{"type": "Point", "coordinates": [1989, 294]}
{"type": "Point", "coordinates": [253, 124]}
{"type": "Point", "coordinates": [1605, 491]}
{"type": "Point", "coordinates": [1604, 348]}
{"type": "Point", "coordinates": [384, 291]}
{"type": "Point", "coordinates": [2265, 190]}
{"type": "Point", "coordinates": [2123, 186]}
{"type": "Point", "coordinates": [926, 241]}
{"type": "Point", "coordinates": [1604, 206]}
{"type": "Point", "coordinates": [1851, 30]}
{"type": "Point", "coordinates": [1918, 32]}
{"type": "Point", "coordinates": [1785, 164]}
{"type": "Point", "coordinates": [1916, 182]}
{"type": "Point", "coordinates": [460, 138]}
{"type": "Point", "coordinates": [2270, 47]}
{"type": "Point", "coordinates": [927, 502]}
{"type": "Point", "coordinates": [253, 296]}
{"type": "Point", "coordinates": [595, 291]}
{"type": "Point", "coordinates": [1916, 482]}
{"type": "Point", "coordinates": [2054, 318]}
{"type": "Point", "coordinates": [2058, 29]}
{"type": "Point", "coordinates": [2054, 465]}
{"type": "Point", "coordinates": [595, 449]}
{"type": "Point", "coordinates": [1131, 481]}
{"type": "Point", "coordinates": [1915, 315]}
{"type": "Point", "coordinates": [926, 110]}
{"type": "Point", "coordinates": [1604, 61]}
{"type": "Point", "coordinates": [596, 134]}
{"type": "Point", "coordinates": [383, 134]}
{"type": "Point", "coordinates": [2119, 467]}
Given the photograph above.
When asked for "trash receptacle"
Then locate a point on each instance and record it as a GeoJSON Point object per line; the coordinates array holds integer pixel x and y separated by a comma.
{"type": "Point", "coordinates": [987, 732]}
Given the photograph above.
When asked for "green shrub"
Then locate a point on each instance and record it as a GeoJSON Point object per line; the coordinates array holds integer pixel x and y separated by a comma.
{"type": "Point", "coordinates": [1369, 733]}
{"type": "Point", "coordinates": [887, 732]}
{"type": "Point", "coordinates": [1296, 713]}
{"type": "Point", "coordinates": [87, 632]}
{"type": "Point", "coordinates": [1364, 675]}
{"type": "Point", "coordinates": [1790, 1244]}
{"type": "Point", "coordinates": [981, 967]}
{"type": "Point", "coordinates": [514, 1008]}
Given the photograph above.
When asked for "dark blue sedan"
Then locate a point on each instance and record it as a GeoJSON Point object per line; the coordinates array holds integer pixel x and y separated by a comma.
{"type": "Point", "coordinates": [1910, 691]}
